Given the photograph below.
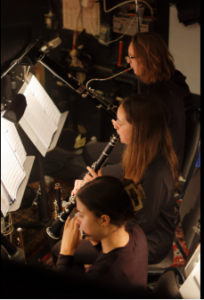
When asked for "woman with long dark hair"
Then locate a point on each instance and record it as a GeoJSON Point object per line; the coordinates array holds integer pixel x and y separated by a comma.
{"type": "Point", "coordinates": [148, 159]}
{"type": "Point", "coordinates": [104, 206]}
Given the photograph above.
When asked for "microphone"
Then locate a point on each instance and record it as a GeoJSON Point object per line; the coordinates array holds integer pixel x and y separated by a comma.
{"type": "Point", "coordinates": [51, 45]}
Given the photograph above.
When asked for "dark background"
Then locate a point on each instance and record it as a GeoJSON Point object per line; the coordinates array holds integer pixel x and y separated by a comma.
{"type": "Point", "coordinates": [101, 62]}
{"type": "Point", "coordinates": [24, 21]}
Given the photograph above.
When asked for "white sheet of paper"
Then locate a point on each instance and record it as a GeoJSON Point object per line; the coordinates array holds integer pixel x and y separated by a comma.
{"type": "Point", "coordinates": [11, 134]}
{"type": "Point", "coordinates": [12, 173]}
{"type": "Point", "coordinates": [44, 99]}
{"type": "Point", "coordinates": [197, 273]}
{"type": "Point", "coordinates": [39, 121]}
{"type": "Point", "coordinates": [5, 200]}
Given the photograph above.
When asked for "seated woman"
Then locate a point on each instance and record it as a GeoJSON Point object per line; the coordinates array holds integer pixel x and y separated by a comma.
{"type": "Point", "coordinates": [148, 159]}
{"type": "Point", "coordinates": [153, 64]}
{"type": "Point", "coordinates": [103, 209]}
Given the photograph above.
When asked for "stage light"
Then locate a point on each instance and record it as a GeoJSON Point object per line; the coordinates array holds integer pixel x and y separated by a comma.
{"type": "Point", "coordinates": [14, 110]}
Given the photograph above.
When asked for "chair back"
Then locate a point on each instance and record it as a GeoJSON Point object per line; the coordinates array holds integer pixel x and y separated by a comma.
{"type": "Point", "coordinates": [192, 143]}
{"type": "Point", "coordinates": [190, 208]}
{"type": "Point", "coordinates": [167, 286]}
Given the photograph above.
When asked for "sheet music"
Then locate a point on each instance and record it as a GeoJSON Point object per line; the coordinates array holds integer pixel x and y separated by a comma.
{"type": "Point", "coordinates": [39, 121]}
{"type": "Point", "coordinates": [43, 98]}
{"type": "Point", "coordinates": [5, 200]}
{"type": "Point", "coordinates": [11, 134]}
{"type": "Point", "coordinates": [12, 173]}
{"type": "Point", "coordinates": [91, 17]}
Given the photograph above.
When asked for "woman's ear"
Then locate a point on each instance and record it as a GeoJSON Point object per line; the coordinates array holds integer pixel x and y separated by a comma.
{"type": "Point", "coordinates": [104, 220]}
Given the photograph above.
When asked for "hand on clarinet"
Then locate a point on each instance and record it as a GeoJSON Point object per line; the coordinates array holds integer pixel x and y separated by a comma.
{"type": "Point", "coordinates": [71, 237]}
{"type": "Point", "coordinates": [87, 178]}
{"type": "Point", "coordinates": [77, 185]}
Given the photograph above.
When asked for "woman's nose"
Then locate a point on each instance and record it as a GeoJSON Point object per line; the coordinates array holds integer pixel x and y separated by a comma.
{"type": "Point", "coordinates": [114, 124]}
{"type": "Point", "coordinates": [128, 59]}
{"type": "Point", "coordinates": [77, 219]}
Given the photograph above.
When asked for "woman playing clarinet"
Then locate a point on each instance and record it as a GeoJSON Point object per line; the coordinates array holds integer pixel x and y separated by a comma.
{"type": "Point", "coordinates": [148, 159]}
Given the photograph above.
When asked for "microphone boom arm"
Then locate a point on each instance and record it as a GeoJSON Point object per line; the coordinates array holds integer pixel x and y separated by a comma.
{"type": "Point", "coordinates": [17, 61]}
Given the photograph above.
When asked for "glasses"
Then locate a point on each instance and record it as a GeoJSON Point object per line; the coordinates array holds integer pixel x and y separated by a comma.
{"type": "Point", "coordinates": [129, 58]}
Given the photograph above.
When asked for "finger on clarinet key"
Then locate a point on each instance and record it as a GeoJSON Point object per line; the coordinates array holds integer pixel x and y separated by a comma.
{"type": "Point", "coordinates": [93, 173]}
{"type": "Point", "coordinates": [100, 172]}
{"type": "Point", "coordinates": [89, 178]}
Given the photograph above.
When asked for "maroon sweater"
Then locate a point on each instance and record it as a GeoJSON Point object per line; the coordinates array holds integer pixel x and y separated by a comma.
{"type": "Point", "coordinates": [126, 265]}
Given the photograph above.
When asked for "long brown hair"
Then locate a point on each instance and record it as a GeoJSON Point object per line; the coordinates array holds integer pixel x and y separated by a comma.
{"type": "Point", "coordinates": [154, 57]}
{"type": "Point", "coordinates": [149, 137]}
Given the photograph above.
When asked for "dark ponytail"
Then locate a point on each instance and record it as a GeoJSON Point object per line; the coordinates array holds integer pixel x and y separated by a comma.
{"type": "Point", "coordinates": [107, 195]}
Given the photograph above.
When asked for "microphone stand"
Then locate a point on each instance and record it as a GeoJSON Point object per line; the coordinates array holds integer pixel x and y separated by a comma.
{"type": "Point", "coordinates": [17, 61]}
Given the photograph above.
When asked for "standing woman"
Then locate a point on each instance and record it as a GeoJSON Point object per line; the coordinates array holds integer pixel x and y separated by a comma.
{"type": "Point", "coordinates": [153, 64]}
{"type": "Point", "coordinates": [103, 209]}
{"type": "Point", "coordinates": [148, 159]}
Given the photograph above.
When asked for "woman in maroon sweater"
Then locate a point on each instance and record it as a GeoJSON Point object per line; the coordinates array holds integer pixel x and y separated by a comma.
{"type": "Point", "coordinates": [103, 209]}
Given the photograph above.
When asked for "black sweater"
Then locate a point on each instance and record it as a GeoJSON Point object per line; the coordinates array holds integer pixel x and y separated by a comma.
{"type": "Point", "coordinates": [126, 265]}
{"type": "Point", "coordinates": [156, 218]}
{"type": "Point", "coordinates": [171, 95]}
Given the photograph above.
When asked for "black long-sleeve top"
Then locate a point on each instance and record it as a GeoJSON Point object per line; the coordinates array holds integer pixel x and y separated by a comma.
{"type": "Point", "coordinates": [126, 265]}
{"type": "Point", "coordinates": [156, 218]}
{"type": "Point", "coordinates": [171, 95]}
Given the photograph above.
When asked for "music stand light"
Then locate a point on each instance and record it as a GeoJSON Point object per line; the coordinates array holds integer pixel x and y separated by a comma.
{"type": "Point", "coordinates": [15, 109]}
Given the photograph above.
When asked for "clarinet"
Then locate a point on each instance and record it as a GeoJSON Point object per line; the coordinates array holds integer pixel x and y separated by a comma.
{"type": "Point", "coordinates": [54, 231]}
{"type": "Point", "coordinates": [74, 84]}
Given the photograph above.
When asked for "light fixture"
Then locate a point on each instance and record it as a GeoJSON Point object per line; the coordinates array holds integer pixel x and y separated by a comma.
{"type": "Point", "coordinates": [14, 110]}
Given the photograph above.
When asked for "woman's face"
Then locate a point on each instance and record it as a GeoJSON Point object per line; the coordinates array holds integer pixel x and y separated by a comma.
{"type": "Point", "coordinates": [89, 223]}
{"type": "Point", "coordinates": [122, 126]}
{"type": "Point", "coordinates": [133, 61]}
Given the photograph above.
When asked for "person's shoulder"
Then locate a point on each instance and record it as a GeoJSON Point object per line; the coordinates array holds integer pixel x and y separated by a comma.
{"type": "Point", "coordinates": [158, 172]}
{"type": "Point", "coordinates": [159, 163]}
{"type": "Point", "coordinates": [135, 231]}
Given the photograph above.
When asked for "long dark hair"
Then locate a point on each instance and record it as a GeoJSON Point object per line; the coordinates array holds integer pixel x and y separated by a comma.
{"type": "Point", "coordinates": [154, 57]}
{"type": "Point", "coordinates": [150, 136]}
{"type": "Point", "coordinates": [106, 195]}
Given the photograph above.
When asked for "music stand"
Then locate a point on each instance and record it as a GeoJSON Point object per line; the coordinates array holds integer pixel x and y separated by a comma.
{"type": "Point", "coordinates": [37, 140]}
{"type": "Point", "coordinates": [27, 167]}
{"type": "Point", "coordinates": [12, 149]}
